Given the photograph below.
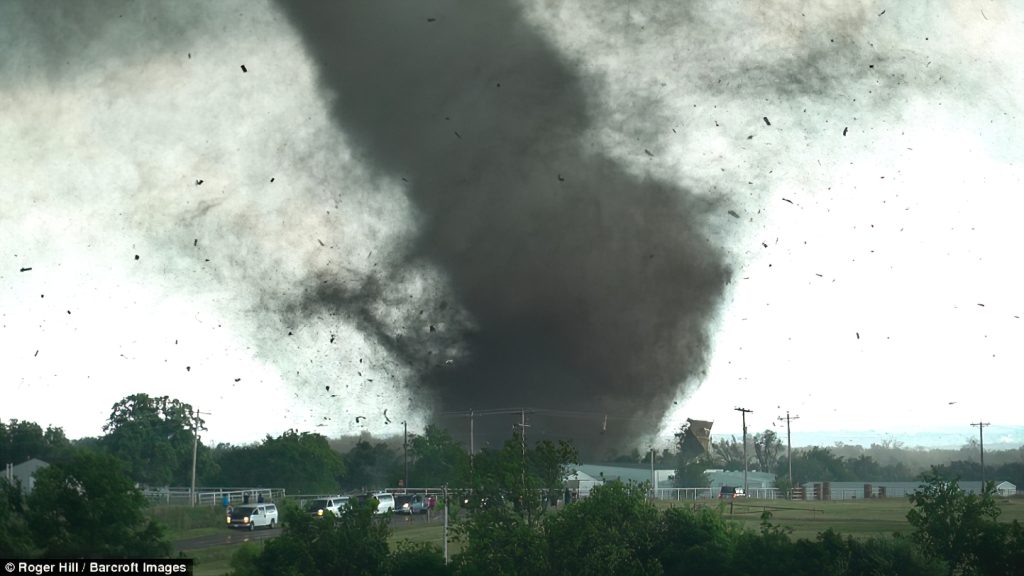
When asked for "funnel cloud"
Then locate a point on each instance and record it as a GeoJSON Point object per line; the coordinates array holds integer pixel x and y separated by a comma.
{"type": "Point", "coordinates": [587, 287]}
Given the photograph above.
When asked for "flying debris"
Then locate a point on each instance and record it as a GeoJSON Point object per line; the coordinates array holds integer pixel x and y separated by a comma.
{"type": "Point", "coordinates": [766, 121]}
{"type": "Point", "coordinates": [199, 182]}
{"type": "Point", "coordinates": [433, 328]}
{"type": "Point", "coordinates": [560, 178]}
{"type": "Point", "coordinates": [386, 419]}
{"type": "Point", "coordinates": [238, 379]}
{"type": "Point", "coordinates": [733, 214]}
{"type": "Point", "coordinates": [244, 70]}
{"type": "Point", "coordinates": [431, 19]}
{"type": "Point", "coordinates": [328, 388]}
{"type": "Point", "coordinates": [845, 130]}
{"type": "Point", "coordinates": [648, 152]}
{"type": "Point", "coordinates": [787, 200]}
{"type": "Point", "coordinates": [26, 269]}
{"type": "Point", "coordinates": [360, 418]}
{"type": "Point", "coordinates": [858, 335]}
{"type": "Point", "coordinates": [320, 241]}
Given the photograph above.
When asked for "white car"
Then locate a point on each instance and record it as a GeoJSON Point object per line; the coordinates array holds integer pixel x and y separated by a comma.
{"type": "Point", "coordinates": [253, 516]}
{"type": "Point", "coordinates": [333, 504]}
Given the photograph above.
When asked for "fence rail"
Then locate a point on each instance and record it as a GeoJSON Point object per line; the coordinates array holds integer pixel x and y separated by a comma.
{"type": "Point", "coordinates": [211, 496]}
{"type": "Point", "coordinates": [679, 494]}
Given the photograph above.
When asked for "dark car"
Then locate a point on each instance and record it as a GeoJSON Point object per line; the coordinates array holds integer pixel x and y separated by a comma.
{"type": "Point", "coordinates": [730, 492]}
{"type": "Point", "coordinates": [411, 504]}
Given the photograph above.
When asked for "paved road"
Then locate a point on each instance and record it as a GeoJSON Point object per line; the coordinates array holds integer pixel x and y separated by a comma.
{"type": "Point", "coordinates": [234, 536]}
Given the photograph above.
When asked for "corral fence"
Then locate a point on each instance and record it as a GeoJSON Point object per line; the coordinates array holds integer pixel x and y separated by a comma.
{"type": "Point", "coordinates": [681, 494]}
{"type": "Point", "coordinates": [212, 496]}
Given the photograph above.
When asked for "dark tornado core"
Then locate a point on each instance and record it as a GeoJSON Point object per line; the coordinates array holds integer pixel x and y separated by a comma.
{"type": "Point", "coordinates": [591, 289]}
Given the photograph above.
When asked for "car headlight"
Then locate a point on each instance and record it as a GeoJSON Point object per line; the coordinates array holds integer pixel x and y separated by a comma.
{"type": "Point", "coordinates": [320, 512]}
{"type": "Point", "coordinates": [246, 520]}
{"type": "Point", "coordinates": [229, 519]}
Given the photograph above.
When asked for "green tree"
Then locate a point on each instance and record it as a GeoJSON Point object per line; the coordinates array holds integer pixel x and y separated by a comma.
{"type": "Point", "coordinates": [951, 524]}
{"type": "Point", "coordinates": [356, 542]}
{"type": "Point", "coordinates": [814, 465]}
{"type": "Point", "coordinates": [21, 440]}
{"type": "Point", "coordinates": [613, 531]}
{"type": "Point", "coordinates": [15, 539]}
{"type": "Point", "coordinates": [767, 448]}
{"type": "Point", "coordinates": [154, 437]}
{"type": "Point", "coordinates": [89, 508]}
{"type": "Point", "coordinates": [370, 466]}
{"type": "Point", "coordinates": [728, 453]}
{"type": "Point", "coordinates": [298, 462]}
{"type": "Point", "coordinates": [437, 459]}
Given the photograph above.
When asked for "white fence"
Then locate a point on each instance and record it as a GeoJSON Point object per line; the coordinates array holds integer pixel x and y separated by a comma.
{"type": "Point", "coordinates": [679, 494]}
{"type": "Point", "coordinates": [206, 496]}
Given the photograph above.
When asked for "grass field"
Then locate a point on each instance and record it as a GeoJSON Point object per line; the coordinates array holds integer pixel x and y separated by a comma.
{"type": "Point", "coordinates": [857, 518]}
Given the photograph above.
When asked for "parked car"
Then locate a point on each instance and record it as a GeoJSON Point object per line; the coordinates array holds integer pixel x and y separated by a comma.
{"type": "Point", "coordinates": [729, 492]}
{"type": "Point", "coordinates": [333, 504]}
{"type": "Point", "coordinates": [253, 516]}
{"type": "Point", "coordinates": [411, 504]}
{"type": "Point", "coordinates": [385, 501]}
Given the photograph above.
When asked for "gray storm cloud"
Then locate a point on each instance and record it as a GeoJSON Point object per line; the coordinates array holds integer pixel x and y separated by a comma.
{"type": "Point", "coordinates": [589, 287]}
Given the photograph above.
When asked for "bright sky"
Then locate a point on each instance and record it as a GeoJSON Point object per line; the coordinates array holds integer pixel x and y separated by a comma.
{"type": "Point", "coordinates": [874, 160]}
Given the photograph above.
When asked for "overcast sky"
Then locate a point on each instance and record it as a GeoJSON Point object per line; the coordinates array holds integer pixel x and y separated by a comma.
{"type": "Point", "coordinates": [172, 170]}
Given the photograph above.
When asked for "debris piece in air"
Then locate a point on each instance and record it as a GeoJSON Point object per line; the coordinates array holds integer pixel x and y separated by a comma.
{"type": "Point", "coordinates": [188, 368]}
{"type": "Point", "coordinates": [238, 379]}
{"type": "Point", "coordinates": [199, 181]}
{"type": "Point", "coordinates": [26, 269]}
{"type": "Point", "coordinates": [36, 354]}
{"type": "Point", "coordinates": [320, 241]}
{"type": "Point", "coordinates": [858, 335]}
{"type": "Point", "coordinates": [751, 137]}
{"type": "Point", "coordinates": [648, 152]}
{"type": "Point", "coordinates": [845, 130]}
{"type": "Point", "coordinates": [449, 362]}
{"type": "Point", "coordinates": [271, 179]}
{"type": "Point", "coordinates": [787, 200]}
{"type": "Point", "coordinates": [244, 70]}
{"type": "Point", "coordinates": [136, 256]}
{"type": "Point", "coordinates": [766, 121]}
{"type": "Point", "coordinates": [195, 242]}
{"type": "Point", "coordinates": [358, 418]}
{"type": "Point", "coordinates": [733, 214]}
{"type": "Point", "coordinates": [882, 12]}
{"type": "Point", "coordinates": [332, 338]}
{"type": "Point", "coordinates": [980, 304]}
{"type": "Point", "coordinates": [457, 135]}
{"type": "Point", "coordinates": [431, 19]}
{"type": "Point", "coordinates": [328, 388]}
{"type": "Point", "coordinates": [764, 244]}
{"type": "Point", "coordinates": [433, 328]}
{"type": "Point", "coordinates": [560, 178]}
{"type": "Point", "coordinates": [818, 275]}
{"type": "Point", "coordinates": [386, 419]}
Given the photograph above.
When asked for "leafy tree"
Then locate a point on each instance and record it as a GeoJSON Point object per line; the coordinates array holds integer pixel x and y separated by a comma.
{"type": "Point", "coordinates": [698, 542]}
{"type": "Point", "coordinates": [767, 447]}
{"type": "Point", "coordinates": [728, 453]}
{"type": "Point", "coordinates": [816, 464]}
{"type": "Point", "coordinates": [353, 543]}
{"type": "Point", "coordinates": [21, 440]}
{"type": "Point", "coordinates": [154, 437]}
{"type": "Point", "coordinates": [371, 466]}
{"type": "Point", "coordinates": [298, 462]}
{"type": "Point", "coordinates": [613, 531]}
{"type": "Point", "coordinates": [15, 539]}
{"type": "Point", "coordinates": [419, 559]}
{"type": "Point", "coordinates": [89, 508]}
{"type": "Point", "coordinates": [951, 524]}
{"type": "Point", "coordinates": [437, 459]}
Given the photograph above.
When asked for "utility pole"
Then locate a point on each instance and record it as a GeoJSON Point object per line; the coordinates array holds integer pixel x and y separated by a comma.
{"type": "Point", "coordinates": [654, 478]}
{"type": "Point", "coordinates": [195, 450]}
{"type": "Point", "coordinates": [405, 452]}
{"type": "Point", "coordinates": [981, 433]}
{"type": "Point", "coordinates": [744, 412]}
{"type": "Point", "coordinates": [789, 446]}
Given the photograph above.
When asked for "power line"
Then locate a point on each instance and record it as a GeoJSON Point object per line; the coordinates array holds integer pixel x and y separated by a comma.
{"type": "Point", "coordinates": [744, 411]}
{"type": "Point", "coordinates": [981, 433]}
{"type": "Point", "coordinates": [789, 445]}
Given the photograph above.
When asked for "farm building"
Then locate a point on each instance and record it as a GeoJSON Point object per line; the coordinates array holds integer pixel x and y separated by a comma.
{"type": "Point", "coordinates": [24, 473]}
{"type": "Point", "coordinates": [580, 483]}
{"type": "Point", "coordinates": [755, 480]}
{"type": "Point", "coordinates": [858, 490]}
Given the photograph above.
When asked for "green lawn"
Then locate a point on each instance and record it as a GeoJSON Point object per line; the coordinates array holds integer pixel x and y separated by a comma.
{"type": "Point", "coordinates": [857, 518]}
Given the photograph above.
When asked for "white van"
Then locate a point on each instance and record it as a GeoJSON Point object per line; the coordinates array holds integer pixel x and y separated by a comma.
{"type": "Point", "coordinates": [333, 504]}
{"type": "Point", "coordinates": [385, 502]}
{"type": "Point", "coordinates": [253, 516]}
